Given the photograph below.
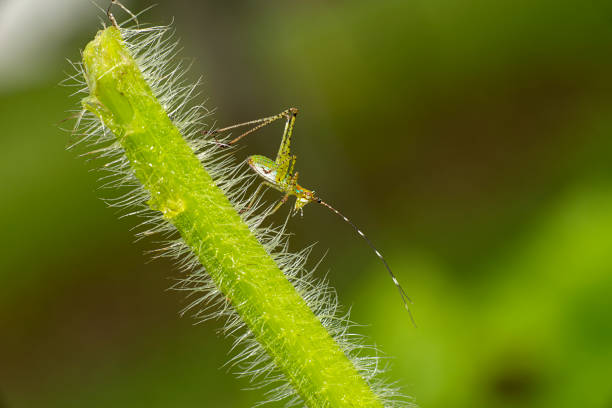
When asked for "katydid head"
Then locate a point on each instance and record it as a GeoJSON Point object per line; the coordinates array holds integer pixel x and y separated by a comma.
{"type": "Point", "coordinates": [303, 196]}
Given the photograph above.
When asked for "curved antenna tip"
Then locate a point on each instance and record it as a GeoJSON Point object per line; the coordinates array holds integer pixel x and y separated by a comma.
{"type": "Point", "coordinates": [405, 298]}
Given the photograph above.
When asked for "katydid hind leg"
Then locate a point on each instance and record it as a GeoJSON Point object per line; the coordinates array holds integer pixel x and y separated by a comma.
{"type": "Point", "coordinates": [258, 122]}
{"type": "Point", "coordinates": [280, 203]}
{"type": "Point", "coordinates": [254, 196]}
{"type": "Point", "coordinates": [284, 159]}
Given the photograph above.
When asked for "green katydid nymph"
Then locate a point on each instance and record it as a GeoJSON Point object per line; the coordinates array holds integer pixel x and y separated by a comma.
{"type": "Point", "coordinates": [279, 175]}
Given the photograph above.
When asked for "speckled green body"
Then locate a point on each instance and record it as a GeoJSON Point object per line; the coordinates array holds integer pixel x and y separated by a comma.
{"type": "Point", "coordinates": [187, 197]}
{"type": "Point", "coordinates": [286, 183]}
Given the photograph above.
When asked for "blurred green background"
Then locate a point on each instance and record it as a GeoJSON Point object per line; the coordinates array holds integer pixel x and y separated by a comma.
{"type": "Point", "coordinates": [471, 140]}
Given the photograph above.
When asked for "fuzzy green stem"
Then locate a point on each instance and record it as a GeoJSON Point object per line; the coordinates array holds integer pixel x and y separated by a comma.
{"type": "Point", "coordinates": [241, 268]}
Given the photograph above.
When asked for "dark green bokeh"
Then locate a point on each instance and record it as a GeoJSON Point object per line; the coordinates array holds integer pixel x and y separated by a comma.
{"type": "Point", "coordinates": [470, 140]}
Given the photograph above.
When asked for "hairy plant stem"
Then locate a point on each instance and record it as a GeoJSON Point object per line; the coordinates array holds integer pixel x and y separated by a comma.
{"type": "Point", "coordinates": [240, 267]}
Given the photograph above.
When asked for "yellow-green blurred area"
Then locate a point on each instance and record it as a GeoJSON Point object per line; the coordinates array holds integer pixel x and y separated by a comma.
{"type": "Point", "coordinates": [471, 140]}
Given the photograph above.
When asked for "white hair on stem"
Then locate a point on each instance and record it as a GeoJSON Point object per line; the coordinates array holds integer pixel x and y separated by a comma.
{"type": "Point", "coordinates": [155, 52]}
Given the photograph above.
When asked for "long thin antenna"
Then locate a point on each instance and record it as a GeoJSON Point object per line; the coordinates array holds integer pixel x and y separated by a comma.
{"type": "Point", "coordinates": [405, 298]}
